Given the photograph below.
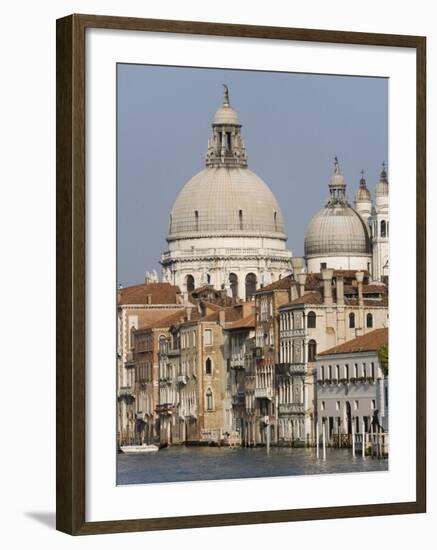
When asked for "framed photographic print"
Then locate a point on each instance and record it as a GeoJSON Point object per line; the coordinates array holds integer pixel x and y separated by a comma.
{"type": "Point", "coordinates": [240, 274]}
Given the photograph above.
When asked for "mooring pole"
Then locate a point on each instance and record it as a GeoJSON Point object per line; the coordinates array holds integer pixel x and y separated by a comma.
{"type": "Point", "coordinates": [317, 439]}
{"type": "Point", "coordinates": [363, 445]}
{"type": "Point", "coordinates": [353, 436]}
{"type": "Point", "coordinates": [324, 439]}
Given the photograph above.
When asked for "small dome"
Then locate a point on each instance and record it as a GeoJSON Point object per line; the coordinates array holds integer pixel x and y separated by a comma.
{"type": "Point", "coordinates": [362, 194]}
{"type": "Point", "coordinates": [382, 186]}
{"type": "Point", "coordinates": [226, 115]}
{"type": "Point", "coordinates": [215, 202]}
{"type": "Point", "coordinates": [337, 231]}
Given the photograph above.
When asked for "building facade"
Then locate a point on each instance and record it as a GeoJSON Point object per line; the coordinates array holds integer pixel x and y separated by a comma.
{"type": "Point", "coordinates": [333, 308]}
{"type": "Point", "coordinates": [352, 390]}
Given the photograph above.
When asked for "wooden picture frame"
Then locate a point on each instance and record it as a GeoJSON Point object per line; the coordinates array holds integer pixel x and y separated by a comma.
{"type": "Point", "coordinates": [71, 247]}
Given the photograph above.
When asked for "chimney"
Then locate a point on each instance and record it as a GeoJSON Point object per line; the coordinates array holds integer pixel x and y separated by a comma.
{"type": "Point", "coordinates": [222, 317]}
{"type": "Point", "coordinates": [189, 307]}
{"type": "Point", "coordinates": [359, 276]}
{"type": "Point", "coordinates": [340, 290]}
{"type": "Point", "coordinates": [327, 274]}
{"type": "Point", "coordinates": [301, 277]}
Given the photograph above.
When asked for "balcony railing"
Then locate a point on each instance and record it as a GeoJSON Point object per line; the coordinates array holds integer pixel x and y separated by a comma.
{"type": "Point", "coordinates": [173, 352]}
{"type": "Point", "coordinates": [264, 393]}
{"type": "Point", "coordinates": [130, 360]}
{"type": "Point", "coordinates": [182, 379]}
{"type": "Point", "coordinates": [290, 408]}
{"type": "Point", "coordinates": [237, 363]}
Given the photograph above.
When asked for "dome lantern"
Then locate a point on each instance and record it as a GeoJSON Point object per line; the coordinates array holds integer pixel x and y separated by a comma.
{"type": "Point", "coordinates": [337, 186]}
{"type": "Point", "coordinates": [226, 146]}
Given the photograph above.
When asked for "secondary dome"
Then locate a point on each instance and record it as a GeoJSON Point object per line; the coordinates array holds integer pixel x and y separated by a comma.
{"type": "Point", "coordinates": [362, 194]}
{"type": "Point", "coordinates": [336, 231]}
{"type": "Point", "coordinates": [226, 201]}
{"type": "Point", "coordinates": [382, 186]}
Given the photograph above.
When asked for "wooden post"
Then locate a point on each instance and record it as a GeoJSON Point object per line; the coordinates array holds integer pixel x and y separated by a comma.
{"type": "Point", "coordinates": [324, 438]}
{"type": "Point", "coordinates": [371, 439]}
{"type": "Point", "coordinates": [317, 439]}
{"type": "Point", "coordinates": [268, 438]}
{"type": "Point", "coordinates": [363, 444]}
{"type": "Point", "coordinates": [353, 436]}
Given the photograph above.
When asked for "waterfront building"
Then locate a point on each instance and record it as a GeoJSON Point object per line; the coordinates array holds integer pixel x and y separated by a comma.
{"type": "Point", "coordinates": [352, 389]}
{"type": "Point", "coordinates": [333, 307]}
{"type": "Point", "coordinates": [239, 353]}
{"type": "Point", "coordinates": [137, 306]}
{"type": "Point", "coordinates": [226, 227]}
{"type": "Point", "coordinates": [268, 300]}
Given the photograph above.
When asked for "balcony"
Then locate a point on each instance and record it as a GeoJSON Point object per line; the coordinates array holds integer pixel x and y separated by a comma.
{"type": "Point", "coordinates": [173, 352]}
{"type": "Point", "coordinates": [165, 408]}
{"type": "Point", "coordinates": [182, 379]}
{"type": "Point", "coordinates": [130, 360]}
{"type": "Point", "coordinates": [237, 363]}
{"type": "Point", "coordinates": [238, 399]}
{"type": "Point", "coordinates": [291, 408]}
{"type": "Point", "coordinates": [126, 391]}
{"type": "Point", "coordinates": [291, 368]}
{"type": "Point", "coordinates": [264, 393]}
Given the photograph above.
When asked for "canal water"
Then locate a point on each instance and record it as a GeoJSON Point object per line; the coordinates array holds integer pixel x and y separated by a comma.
{"type": "Point", "coordinates": [206, 463]}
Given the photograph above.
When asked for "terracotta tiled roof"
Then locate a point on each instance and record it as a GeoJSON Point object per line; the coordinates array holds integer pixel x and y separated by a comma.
{"type": "Point", "coordinates": [148, 293]}
{"type": "Point", "coordinates": [313, 297]}
{"type": "Point", "coordinates": [247, 322]}
{"type": "Point", "coordinates": [166, 321]}
{"type": "Point", "coordinates": [372, 341]}
{"type": "Point", "coordinates": [280, 284]}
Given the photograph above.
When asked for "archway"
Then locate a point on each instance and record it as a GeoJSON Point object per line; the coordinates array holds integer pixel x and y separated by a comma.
{"type": "Point", "coordinates": [250, 285]}
{"type": "Point", "coordinates": [233, 281]}
{"type": "Point", "coordinates": [189, 283]}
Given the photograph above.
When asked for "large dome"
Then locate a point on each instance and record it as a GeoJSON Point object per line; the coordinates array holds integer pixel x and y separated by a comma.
{"type": "Point", "coordinates": [337, 230]}
{"type": "Point", "coordinates": [221, 201]}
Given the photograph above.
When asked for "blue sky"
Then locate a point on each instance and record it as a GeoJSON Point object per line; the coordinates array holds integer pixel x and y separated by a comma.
{"type": "Point", "coordinates": [293, 126]}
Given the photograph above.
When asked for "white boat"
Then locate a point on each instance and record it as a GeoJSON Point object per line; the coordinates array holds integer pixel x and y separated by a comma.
{"type": "Point", "coordinates": [138, 449]}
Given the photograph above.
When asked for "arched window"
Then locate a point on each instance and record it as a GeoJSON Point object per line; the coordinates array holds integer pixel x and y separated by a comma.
{"type": "Point", "coordinates": [312, 351]}
{"type": "Point", "coordinates": [250, 285]}
{"type": "Point", "coordinates": [240, 218]}
{"type": "Point", "coordinates": [311, 320]}
{"type": "Point", "coordinates": [383, 229]}
{"type": "Point", "coordinates": [189, 282]}
{"type": "Point", "coordinates": [351, 320]}
{"type": "Point", "coordinates": [233, 281]}
{"type": "Point", "coordinates": [196, 218]}
{"type": "Point", "coordinates": [208, 366]}
{"type": "Point", "coordinates": [208, 278]}
{"type": "Point", "coordinates": [275, 220]}
{"type": "Point", "coordinates": [209, 400]}
{"type": "Point", "coordinates": [369, 320]}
